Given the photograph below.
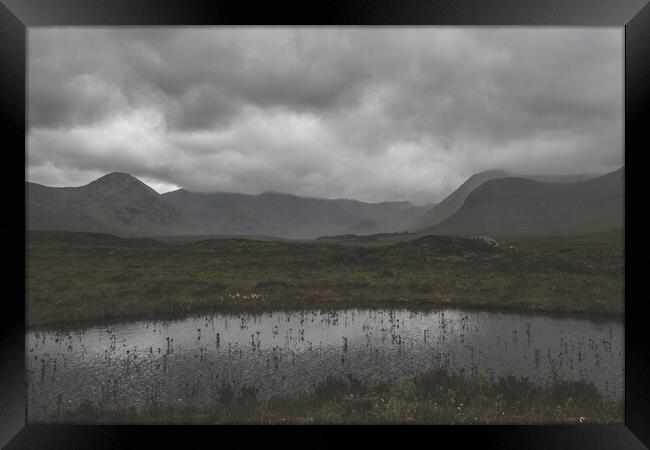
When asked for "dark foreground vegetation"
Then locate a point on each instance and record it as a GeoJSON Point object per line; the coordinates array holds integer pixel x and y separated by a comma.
{"type": "Point", "coordinates": [433, 397]}
{"type": "Point", "coordinates": [83, 276]}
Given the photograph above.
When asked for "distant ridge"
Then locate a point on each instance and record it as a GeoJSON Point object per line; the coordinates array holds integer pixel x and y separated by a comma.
{"type": "Point", "coordinates": [491, 202]}
{"type": "Point", "coordinates": [118, 203]}
{"type": "Point", "coordinates": [454, 201]}
{"type": "Point", "coordinates": [521, 206]}
{"type": "Point", "coordinates": [288, 215]}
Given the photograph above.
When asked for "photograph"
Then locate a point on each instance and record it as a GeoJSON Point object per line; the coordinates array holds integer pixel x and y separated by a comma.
{"type": "Point", "coordinates": [325, 225]}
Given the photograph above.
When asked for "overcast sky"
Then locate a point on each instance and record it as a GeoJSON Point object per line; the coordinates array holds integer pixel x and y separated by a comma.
{"type": "Point", "coordinates": [367, 113]}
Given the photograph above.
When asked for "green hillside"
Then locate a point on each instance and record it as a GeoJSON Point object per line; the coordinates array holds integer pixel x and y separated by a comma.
{"type": "Point", "coordinates": [454, 201]}
{"type": "Point", "coordinates": [115, 203]}
{"type": "Point", "coordinates": [514, 206]}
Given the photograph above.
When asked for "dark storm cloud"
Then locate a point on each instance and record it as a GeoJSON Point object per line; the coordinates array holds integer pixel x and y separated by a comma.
{"type": "Point", "coordinates": [369, 113]}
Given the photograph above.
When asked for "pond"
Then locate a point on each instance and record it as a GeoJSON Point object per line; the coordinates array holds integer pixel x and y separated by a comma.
{"type": "Point", "coordinates": [186, 362]}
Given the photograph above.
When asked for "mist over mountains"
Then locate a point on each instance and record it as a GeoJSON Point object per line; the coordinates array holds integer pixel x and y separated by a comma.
{"type": "Point", "coordinates": [121, 204]}
{"type": "Point", "coordinates": [286, 215]}
{"type": "Point", "coordinates": [492, 202]}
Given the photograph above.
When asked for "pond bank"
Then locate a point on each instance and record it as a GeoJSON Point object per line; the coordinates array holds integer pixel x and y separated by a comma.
{"type": "Point", "coordinates": [114, 318]}
{"type": "Point", "coordinates": [431, 397]}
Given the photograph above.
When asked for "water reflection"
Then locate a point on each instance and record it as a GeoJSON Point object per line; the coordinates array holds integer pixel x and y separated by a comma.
{"type": "Point", "coordinates": [187, 362]}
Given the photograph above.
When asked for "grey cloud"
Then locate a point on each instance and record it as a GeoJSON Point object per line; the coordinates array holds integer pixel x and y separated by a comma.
{"type": "Point", "coordinates": [205, 74]}
{"type": "Point", "coordinates": [372, 113]}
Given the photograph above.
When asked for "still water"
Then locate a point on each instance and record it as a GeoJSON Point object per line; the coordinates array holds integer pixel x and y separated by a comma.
{"type": "Point", "coordinates": [186, 362]}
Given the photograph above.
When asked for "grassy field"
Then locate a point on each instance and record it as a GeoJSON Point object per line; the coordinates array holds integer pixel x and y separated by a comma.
{"type": "Point", "coordinates": [84, 277]}
{"type": "Point", "coordinates": [433, 397]}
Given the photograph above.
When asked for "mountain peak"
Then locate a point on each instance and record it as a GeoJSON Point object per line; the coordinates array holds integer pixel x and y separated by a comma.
{"type": "Point", "coordinates": [493, 173]}
{"type": "Point", "coordinates": [118, 181]}
{"type": "Point", "coordinates": [116, 176]}
{"type": "Point", "coordinates": [113, 178]}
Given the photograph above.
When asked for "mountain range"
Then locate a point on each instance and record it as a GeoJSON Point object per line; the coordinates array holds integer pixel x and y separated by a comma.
{"type": "Point", "coordinates": [492, 202]}
{"type": "Point", "coordinates": [119, 203]}
{"type": "Point", "coordinates": [286, 215]}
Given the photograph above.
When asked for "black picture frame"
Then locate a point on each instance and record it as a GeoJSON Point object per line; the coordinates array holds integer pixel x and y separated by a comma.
{"type": "Point", "coordinates": [18, 15]}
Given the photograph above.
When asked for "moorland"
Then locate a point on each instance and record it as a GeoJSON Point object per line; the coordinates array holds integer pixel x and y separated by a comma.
{"type": "Point", "coordinates": [75, 276]}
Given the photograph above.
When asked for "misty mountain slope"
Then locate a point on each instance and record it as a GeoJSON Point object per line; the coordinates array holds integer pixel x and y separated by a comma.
{"type": "Point", "coordinates": [115, 203]}
{"type": "Point", "coordinates": [287, 215]}
{"type": "Point", "coordinates": [522, 206]}
{"type": "Point", "coordinates": [121, 204]}
{"type": "Point", "coordinates": [454, 201]}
